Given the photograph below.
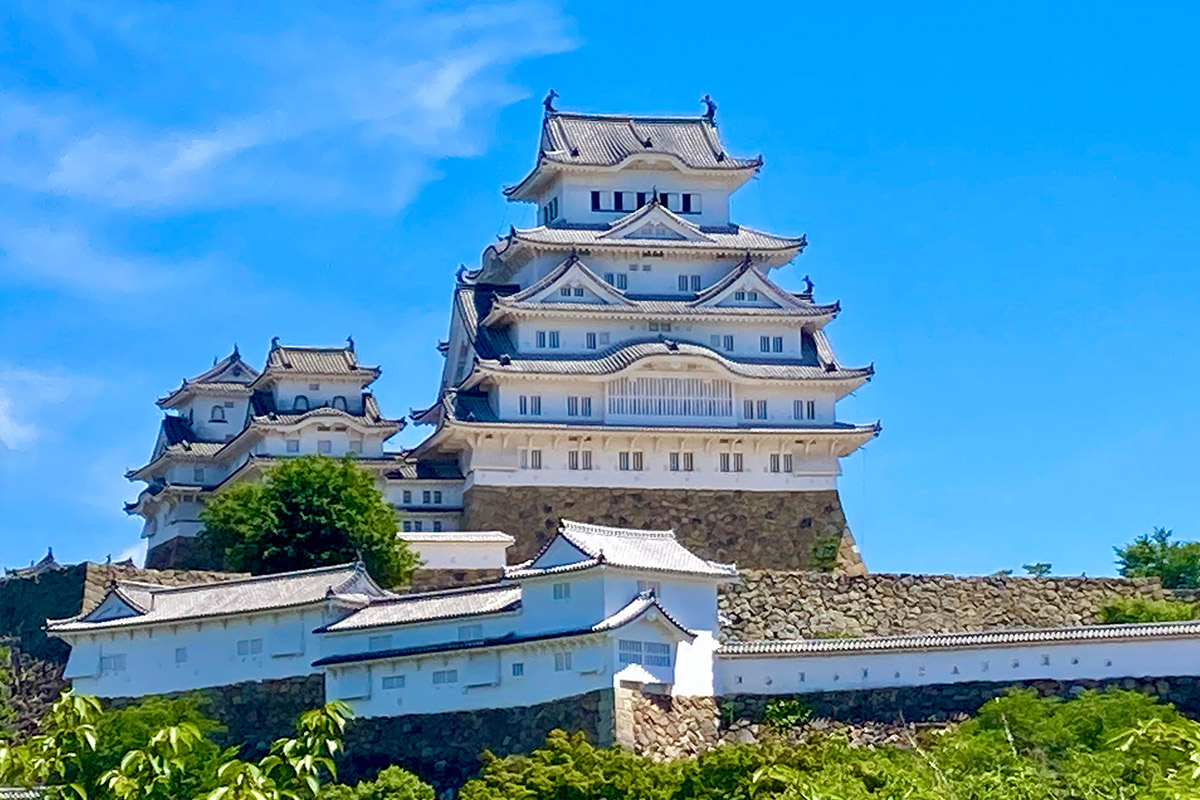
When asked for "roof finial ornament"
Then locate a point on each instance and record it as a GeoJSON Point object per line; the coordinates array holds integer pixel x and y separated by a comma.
{"type": "Point", "coordinates": [548, 102]}
{"type": "Point", "coordinates": [808, 286]}
{"type": "Point", "coordinates": [350, 343]}
{"type": "Point", "coordinates": [236, 354]}
{"type": "Point", "coordinates": [710, 108]}
{"type": "Point", "coordinates": [214, 361]}
{"type": "Point", "coordinates": [274, 342]}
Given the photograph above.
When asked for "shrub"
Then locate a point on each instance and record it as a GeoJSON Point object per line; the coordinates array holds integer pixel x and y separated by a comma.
{"type": "Point", "coordinates": [1142, 609]}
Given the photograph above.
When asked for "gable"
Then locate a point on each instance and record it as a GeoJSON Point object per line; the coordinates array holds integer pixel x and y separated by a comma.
{"type": "Point", "coordinates": [112, 607]}
{"type": "Point", "coordinates": [747, 287]}
{"type": "Point", "coordinates": [559, 552]}
{"type": "Point", "coordinates": [581, 284]}
{"type": "Point", "coordinates": [654, 222]}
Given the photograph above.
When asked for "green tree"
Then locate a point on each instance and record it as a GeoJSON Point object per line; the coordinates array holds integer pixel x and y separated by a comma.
{"type": "Point", "coordinates": [1038, 569]}
{"type": "Point", "coordinates": [306, 512]}
{"type": "Point", "coordinates": [1154, 555]}
{"type": "Point", "coordinates": [392, 783]}
{"type": "Point", "coordinates": [1141, 609]}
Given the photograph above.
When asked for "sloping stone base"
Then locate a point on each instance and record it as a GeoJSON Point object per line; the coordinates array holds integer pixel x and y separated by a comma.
{"type": "Point", "coordinates": [766, 530]}
{"type": "Point", "coordinates": [183, 552]}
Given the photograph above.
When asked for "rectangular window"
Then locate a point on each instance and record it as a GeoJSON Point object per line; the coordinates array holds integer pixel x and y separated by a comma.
{"type": "Point", "coordinates": [609, 278]}
{"type": "Point", "coordinates": [535, 405]}
{"type": "Point", "coordinates": [637, 460]}
{"type": "Point", "coordinates": [665, 199]}
{"type": "Point", "coordinates": [180, 655]}
{"type": "Point", "coordinates": [562, 591]}
{"type": "Point", "coordinates": [355, 446]}
{"type": "Point", "coordinates": [752, 296]}
{"type": "Point", "coordinates": [787, 462]}
{"type": "Point", "coordinates": [764, 344]}
{"type": "Point", "coordinates": [654, 587]}
{"type": "Point", "coordinates": [685, 203]}
{"type": "Point", "coordinates": [324, 446]}
{"type": "Point", "coordinates": [657, 654]}
{"type": "Point", "coordinates": [585, 406]}
{"type": "Point", "coordinates": [629, 651]}
{"type": "Point", "coordinates": [407, 526]}
{"type": "Point", "coordinates": [437, 498]}
{"type": "Point", "coordinates": [695, 283]}
{"type": "Point", "coordinates": [585, 459]}
{"type": "Point", "coordinates": [198, 474]}
{"type": "Point", "coordinates": [727, 343]}
{"type": "Point", "coordinates": [426, 496]}
{"type": "Point", "coordinates": [535, 459]}
{"type": "Point", "coordinates": [377, 643]}
{"type": "Point", "coordinates": [797, 409]}
{"type": "Point", "coordinates": [562, 662]}
{"type": "Point", "coordinates": [673, 462]}
{"type": "Point", "coordinates": [724, 462]}
{"type": "Point", "coordinates": [469, 633]}
{"type": "Point", "coordinates": [633, 267]}
{"type": "Point", "coordinates": [683, 283]}
{"type": "Point", "coordinates": [565, 291]}
{"type": "Point", "coordinates": [748, 409]}
{"type": "Point", "coordinates": [737, 462]}
{"type": "Point", "coordinates": [812, 409]}
{"type": "Point", "coordinates": [774, 462]}
{"type": "Point", "coordinates": [645, 267]}
{"type": "Point", "coordinates": [407, 496]}
{"type": "Point", "coordinates": [641, 199]}
{"type": "Point", "coordinates": [731, 462]}
{"type": "Point", "coordinates": [441, 676]}
{"type": "Point", "coordinates": [249, 647]}
{"type": "Point", "coordinates": [314, 387]}
{"type": "Point", "coordinates": [572, 459]}
{"type": "Point", "coordinates": [688, 462]}
{"type": "Point", "coordinates": [437, 526]}
{"type": "Point", "coordinates": [113, 663]}
{"type": "Point", "coordinates": [577, 291]}
{"type": "Point", "coordinates": [523, 405]}
{"type": "Point", "coordinates": [540, 339]}
{"type": "Point", "coordinates": [762, 409]}
{"type": "Point", "coordinates": [293, 445]}
{"type": "Point", "coordinates": [417, 526]}
{"type": "Point", "coordinates": [715, 340]}
{"type": "Point", "coordinates": [392, 682]}
{"type": "Point", "coordinates": [604, 338]}
{"type": "Point", "coordinates": [553, 340]}
{"type": "Point", "coordinates": [622, 281]}
{"type": "Point", "coordinates": [623, 460]}
{"type": "Point", "coordinates": [518, 669]}
{"type": "Point", "coordinates": [590, 341]}
{"type": "Point", "coordinates": [618, 201]}
{"type": "Point", "coordinates": [572, 406]}
{"type": "Point", "coordinates": [739, 295]}
{"type": "Point", "coordinates": [595, 201]}
{"type": "Point", "coordinates": [777, 344]}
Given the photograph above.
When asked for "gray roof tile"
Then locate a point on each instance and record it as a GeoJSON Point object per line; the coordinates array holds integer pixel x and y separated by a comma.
{"type": "Point", "coordinates": [451, 604]}
{"type": "Point", "coordinates": [607, 140]}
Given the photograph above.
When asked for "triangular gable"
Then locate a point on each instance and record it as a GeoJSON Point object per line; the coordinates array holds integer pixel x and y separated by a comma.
{"type": "Point", "coordinates": [572, 274]}
{"type": "Point", "coordinates": [231, 369]}
{"type": "Point", "coordinates": [653, 221]}
{"type": "Point", "coordinates": [746, 287]}
{"type": "Point", "coordinates": [558, 552]}
{"type": "Point", "coordinates": [115, 605]}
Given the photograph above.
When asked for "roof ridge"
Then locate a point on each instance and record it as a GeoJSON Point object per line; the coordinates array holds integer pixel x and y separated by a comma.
{"type": "Point", "coordinates": [435, 593]}
{"type": "Point", "coordinates": [351, 565]}
{"type": "Point", "coordinates": [610, 530]}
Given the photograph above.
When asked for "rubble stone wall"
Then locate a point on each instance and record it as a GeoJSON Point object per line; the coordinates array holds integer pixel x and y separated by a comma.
{"type": "Point", "coordinates": [769, 604]}
{"type": "Point", "coordinates": [426, 580]}
{"type": "Point", "coordinates": [779, 530]}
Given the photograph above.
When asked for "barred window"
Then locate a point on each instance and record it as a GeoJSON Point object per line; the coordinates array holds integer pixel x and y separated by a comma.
{"type": "Point", "coordinates": [670, 397]}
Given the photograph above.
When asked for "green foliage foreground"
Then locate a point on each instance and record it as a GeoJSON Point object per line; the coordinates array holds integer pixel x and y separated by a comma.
{"type": "Point", "coordinates": [1114, 745]}
{"type": "Point", "coordinates": [309, 511]}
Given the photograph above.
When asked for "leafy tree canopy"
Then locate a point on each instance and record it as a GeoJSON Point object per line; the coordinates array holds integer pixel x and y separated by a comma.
{"type": "Point", "coordinates": [308, 511]}
{"type": "Point", "coordinates": [1141, 609]}
{"type": "Point", "coordinates": [1176, 564]}
{"type": "Point", "coordinates": [392, 783]}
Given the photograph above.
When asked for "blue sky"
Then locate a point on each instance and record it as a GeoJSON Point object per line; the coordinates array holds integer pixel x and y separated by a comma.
{"type": "Point", "coordinates": [1005, 199]}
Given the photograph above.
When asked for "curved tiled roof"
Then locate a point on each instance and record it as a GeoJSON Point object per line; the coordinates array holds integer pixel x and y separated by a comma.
{"type": "Point", "coordinates": [622, 356]}
{"type": "Point", "coordinates": [608, 140]}
{"type": "Point", "coordinates": [737, 238]}
{"type": "Point", "coordinates": [429, 607]}
{"type": "Point", "coordinates": [941, 641]}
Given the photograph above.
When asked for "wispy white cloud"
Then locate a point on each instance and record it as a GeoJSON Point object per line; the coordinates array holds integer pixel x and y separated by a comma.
{"type": "Point", "coordinates": [329, 109]}
{"type": "Point", "coordinates": [27, 395]}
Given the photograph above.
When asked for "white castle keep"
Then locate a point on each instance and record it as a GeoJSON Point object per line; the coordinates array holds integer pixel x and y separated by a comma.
{"type": "Point", "coordinates": [628, 361]}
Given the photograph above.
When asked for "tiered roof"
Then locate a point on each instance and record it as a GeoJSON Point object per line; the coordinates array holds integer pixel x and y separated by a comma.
{"type": "Point", "coordinates": [231, 376]}
{"type": "Point", "coordinates": [316, 362]}
{"type": "Point", "coordinates": [627, 548]}
{"type": "Point", "coordinates": [133, 603]}
{"type": "Point", "coordinates": [606, 141]}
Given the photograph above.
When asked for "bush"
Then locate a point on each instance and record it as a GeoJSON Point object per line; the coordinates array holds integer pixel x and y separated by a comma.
{"type": "Point", "coordinates": [786, 714]}
{"type": "Point", "coordinates": [1140, 609]}
{"type": "Point", "coordinates": [392, 783]}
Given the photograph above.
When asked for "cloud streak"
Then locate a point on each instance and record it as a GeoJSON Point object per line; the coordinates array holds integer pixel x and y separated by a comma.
{"type": "Point", "coordinates": [327, 112]}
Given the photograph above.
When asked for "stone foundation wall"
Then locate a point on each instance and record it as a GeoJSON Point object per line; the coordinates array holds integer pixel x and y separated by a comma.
{"type": "Point", "coordinates": [791, 605]}
{"type": "Point", "coordinates": [445, 749]}
{"type": "Point", "coordinates": [183, 552]}
{"type": "Point", "coordinates": [780, 530]}
{"type": "Point", "coordinates": [427, 580]}
{"type": "Point", "coordinates": [255, 713]}
{"type": "Point", "coordinates": [665, 727]}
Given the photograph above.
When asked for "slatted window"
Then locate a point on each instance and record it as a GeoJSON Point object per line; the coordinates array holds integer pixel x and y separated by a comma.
{"type": "Point", "coordinates": [443, 676]}
{"type": "Point", "coordinates": [392, 682]}
{"type": "Point", "coordinates": [670, 397]}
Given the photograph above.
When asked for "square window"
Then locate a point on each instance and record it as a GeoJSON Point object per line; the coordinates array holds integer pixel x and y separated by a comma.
{"type": "Point", "coordinates": [604, 338]}
{"type": "Point", "coordinates": [629, 652]}
{"type": "Point", "coordinates": [739, 295]}
{"type": "Point", "coordinates": [355, 446]}
{"type": "Point", "coordinates": [437, 526]}
{"type": "Point", "coordinates": [752, 296]}
{"type": "Point", "coordinates": [562, 662]}
{"type": "Point", "coordinates": [407, 526]}
{"type": "Point", "coordinates": [324, 446]}
{"type": "Point", "coordinates": [652, 326]}
{"type": "Point", "coordinates": [392, 682]}
{"type": "Point", "coordinates": [293, 445]}
{"type": "Point", "coordinates": [657, 654]}
{"type": "Point", "coordinates": [561, 591]}
{"type": "Point", "coordinates": [565, 291]}
{"type": "Point", "coordinates": [578, 291]}
{"type": "Point", "coordinates": [518, 669]}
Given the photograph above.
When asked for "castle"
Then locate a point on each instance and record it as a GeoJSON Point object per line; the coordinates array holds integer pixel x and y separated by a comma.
{"type": "Point", "coordinates": [628, 362]}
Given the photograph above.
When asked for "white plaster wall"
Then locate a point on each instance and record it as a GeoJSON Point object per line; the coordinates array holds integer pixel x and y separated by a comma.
{"type": "Point", "coordinates": [453, 554]}
{"type": "Point", "coordinates": [666, 265]}
{"type": "Point", "coordinates": [540, 612]}
{"type": "Point", "coordinates": [414, 634]}
{"type": "Point", "coordinates": [575, 193]}
{"type": "Point", "coordinates": [451, 493]}
{"type": "Point", "coordinates": [212, 658]}
{"type": "Point", "coordinates": [199, 409]}
{"type": "Point", "coordinates": [573, 336]}
{"type": "Point", "coordinates": [1094, 660]}
{"type": "Point", "coordinates": [286, 391]}
{"type": "Point", "coordinates": [539, 683]}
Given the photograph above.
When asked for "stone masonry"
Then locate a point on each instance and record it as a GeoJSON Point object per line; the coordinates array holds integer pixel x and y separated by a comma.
{"type": "Point", "coordinates": [769, 604]}
{"type": "Point", "coordinates": [780, 530]}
